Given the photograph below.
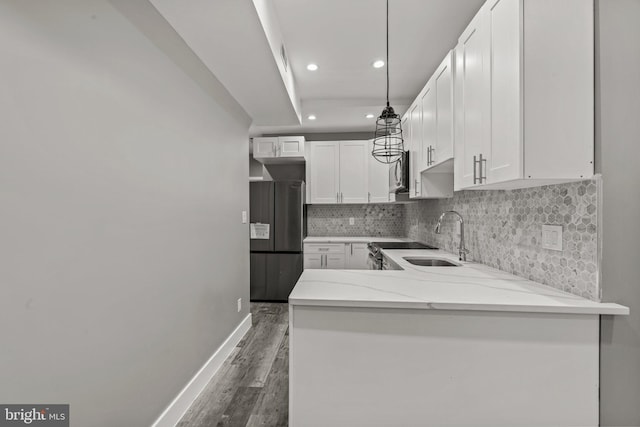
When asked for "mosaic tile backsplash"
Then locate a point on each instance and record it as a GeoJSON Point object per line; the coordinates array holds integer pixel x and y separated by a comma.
{"type": "Point", "coordinates": [369, 220]}
{"type": "Point", "coordinates": [503, 229]}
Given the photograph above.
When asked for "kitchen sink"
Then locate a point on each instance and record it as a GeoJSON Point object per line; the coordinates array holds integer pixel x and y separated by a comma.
{"type": "Point", "coordinates": [430, 262]}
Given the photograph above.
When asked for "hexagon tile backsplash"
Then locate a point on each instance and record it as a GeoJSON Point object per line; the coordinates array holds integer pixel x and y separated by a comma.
{"type": "Point", "coordinates": [504, 230]}
{"type": "Point", "coordinates": [369, 220]}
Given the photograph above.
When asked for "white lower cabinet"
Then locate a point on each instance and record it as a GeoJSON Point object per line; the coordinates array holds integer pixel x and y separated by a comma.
{"type": "Point", "coordinates": [324, 256]}
{"type": "Point", "coordinates": [334, 261]}
{"type": "Point", "coordinates": [338, 256]}
{"type": "Point", "coordinates": [356, 255]}
{"type": "Point", "coordinates": [314, 261]}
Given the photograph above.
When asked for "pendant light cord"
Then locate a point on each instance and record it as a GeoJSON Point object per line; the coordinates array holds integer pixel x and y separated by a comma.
{"type": "Point", "coordinates": [387, 53]}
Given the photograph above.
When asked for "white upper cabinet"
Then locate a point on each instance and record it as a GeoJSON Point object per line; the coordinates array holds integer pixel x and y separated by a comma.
{"type": "Point", "coordinates": [525, 116]}
{"type": "Point", "coordinates": [354, 167]}
{"type": "Point", "coordinates": [378, 180]}
{"type": "Point", "coordinates": [338, 172]}
{"type": "Point", "coordinates": [443, 85]}
{"type": "Point", "coordinates": [279, 149]}
{"type": "Point", "coordinates": [264, 147]}
{"type": "Point", "coordinates": [323, 172]}
{"type": "Point", "coordinates": [291, 146]}
{"type": "Point", "coordinates": [415, 150]}
{"type": "Point", "coordinates": [437, 115]}
{"type": "Point", "coordinates": [429, 124]}
{"type": "Point", "coordinates": [471, 99]}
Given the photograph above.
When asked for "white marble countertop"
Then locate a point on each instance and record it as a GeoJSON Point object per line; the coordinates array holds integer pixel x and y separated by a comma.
{"type": "Point", "coordinates": [347, 239]}
{"type": "Point", "coordinates": [469, 287]}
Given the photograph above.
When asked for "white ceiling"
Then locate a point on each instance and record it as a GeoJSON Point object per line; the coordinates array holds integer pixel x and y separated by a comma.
{"type": "Point", "coordinates": [344, 37]}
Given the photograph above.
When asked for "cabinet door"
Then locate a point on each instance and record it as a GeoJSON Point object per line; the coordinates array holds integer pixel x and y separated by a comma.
{"type": "Point", "coordinates": [378, 180]}
{"type": "Point", "coordinates": [472, 98]}
{"type": "Point", "coordinates": [406, 135]}
{"type": "Point", "coordinates": [443, 85]}
{"type": "Point", "coordinates": [258, 276]}
{"type": "Point", "coordinates": [415, 151]}
{"type": "Point", "coordinates": [504, 148]}
{"type": "Point", "coordinates": [283, 271]}
{"type": "Point", "coordinates": [313, 261]}
{"type": "Point", "coordinates": [429, 124]}
{"type": "Point", "coordinates": [356, 255]}
{"type": "Point", "coordinates": [265, 147]}
{"type": "Point", "coordinates": [354, 162]}
{"type": "Point", "coordinates": [291, 146]}
{"type": "Point", "coordinates": [334, 261]}
{"type": "Point", "coordinates": [324, 172]}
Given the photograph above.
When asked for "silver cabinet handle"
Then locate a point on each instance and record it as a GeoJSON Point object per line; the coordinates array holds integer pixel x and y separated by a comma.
{"type": "Point", "coordinates": [415, 187]}
{"type": "Point", "coordinates": [341, 197]}
{"type": "Point", "coordinates": [351, 248]}
{"type": "Point", "coordinates": [338, 197]}
{"type": "Point", "coordinates": [429, 156]}
{"type": "Point", "coordinates": [483, 178]}
{"type": "Point", "coordinates": [369, 197]}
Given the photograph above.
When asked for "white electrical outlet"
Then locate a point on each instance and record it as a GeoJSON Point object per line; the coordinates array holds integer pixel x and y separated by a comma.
{"type": "Point", "coordinates": [352, 220]}
{"type": "Point", "coordinates": [239, 304]}
{"type": "Point", "coordinates": [552, 237]}
{"type": "Point", "coordinates": [244, 217]}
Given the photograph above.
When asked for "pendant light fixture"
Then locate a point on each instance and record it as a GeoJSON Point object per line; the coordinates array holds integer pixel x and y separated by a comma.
{"type": "Point", "coordinates": [388, 144]}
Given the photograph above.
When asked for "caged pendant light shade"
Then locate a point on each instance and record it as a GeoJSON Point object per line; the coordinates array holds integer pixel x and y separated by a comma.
{"type": "Point", "coordinates": [388, 144]}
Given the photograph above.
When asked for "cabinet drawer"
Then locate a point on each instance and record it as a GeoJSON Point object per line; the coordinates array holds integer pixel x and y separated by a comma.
{"type": "Point", "coordinates": [324, 248]}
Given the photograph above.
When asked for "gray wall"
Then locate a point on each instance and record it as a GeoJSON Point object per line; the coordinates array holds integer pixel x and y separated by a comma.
{"type": "Point", "coordinates": [122, 249]}
{"type": "Point", "coordinates": [617, 139]}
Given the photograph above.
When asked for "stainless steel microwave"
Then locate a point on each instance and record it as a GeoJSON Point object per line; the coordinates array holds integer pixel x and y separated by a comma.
{"type": "Point", "coordinates": [399, 175]}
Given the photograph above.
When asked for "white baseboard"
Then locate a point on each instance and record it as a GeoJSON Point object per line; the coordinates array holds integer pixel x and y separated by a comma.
{"type": "Point", "coordinates": [177, 408]}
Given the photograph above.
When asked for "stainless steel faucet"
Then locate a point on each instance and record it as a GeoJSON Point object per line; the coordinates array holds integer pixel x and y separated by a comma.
{"type": "Point", "coordinates": [462, 251]}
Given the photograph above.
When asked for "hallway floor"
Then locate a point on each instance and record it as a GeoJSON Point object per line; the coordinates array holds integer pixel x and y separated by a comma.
{"type": "Point", "coordinates": [252, 386]}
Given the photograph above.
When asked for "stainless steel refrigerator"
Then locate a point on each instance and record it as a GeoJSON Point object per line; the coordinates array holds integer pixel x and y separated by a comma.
{"type": "Point", "coordinates": [277, 216]}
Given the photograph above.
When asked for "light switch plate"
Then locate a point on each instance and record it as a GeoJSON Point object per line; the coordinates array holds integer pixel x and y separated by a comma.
{"type": "Point", "coordinates": [244, 217]}
{"type": "Point", "coordinates": [352, 220]}
{"type": "Point", "coordinates": [552, 237]}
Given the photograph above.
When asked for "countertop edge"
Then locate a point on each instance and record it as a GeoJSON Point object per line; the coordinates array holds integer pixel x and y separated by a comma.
{"type": "Point", "coordinates": [602, 309]}
{"type": "Point", "coordinates": [352, 239]}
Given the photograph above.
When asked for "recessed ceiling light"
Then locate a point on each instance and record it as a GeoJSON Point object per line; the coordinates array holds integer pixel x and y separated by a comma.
{"type": "Point", "coordinates": [369, 116]}
{"type": "Point", "coordinates": [311, 117]}
{"type": "Point", "coordinates": [312, 67]}
{"type": "Point", "coordinates": [378, 64]}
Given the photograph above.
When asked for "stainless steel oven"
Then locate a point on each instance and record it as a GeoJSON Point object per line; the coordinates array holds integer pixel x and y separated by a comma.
{"type": "Point", "coordinates": [399, 175]}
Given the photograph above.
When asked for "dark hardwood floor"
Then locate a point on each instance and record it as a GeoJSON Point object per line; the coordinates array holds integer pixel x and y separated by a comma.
{"type": "Point", "coordinates": [252, 386]}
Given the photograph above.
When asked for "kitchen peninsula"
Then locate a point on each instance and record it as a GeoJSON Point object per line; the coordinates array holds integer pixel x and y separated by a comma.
{"type": "Point", "coordinates": [466, 345]}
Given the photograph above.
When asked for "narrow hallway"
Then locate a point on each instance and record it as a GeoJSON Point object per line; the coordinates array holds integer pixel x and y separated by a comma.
{"type": "Point", "coordinates": [252, 386]}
